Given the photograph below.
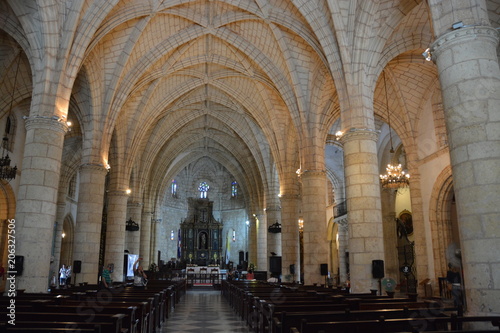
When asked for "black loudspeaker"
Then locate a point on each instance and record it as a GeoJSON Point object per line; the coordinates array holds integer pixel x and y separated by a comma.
{"type": "Point", "coordinates": [19, 265]}
{"type": "Point", "coordinates": [77, 266]}
{"type": "Point", "coordinates": [292, 269]}
{"type": "Point", "coordinates": [324, 269]}
{"type": "Point", "coordinates": [377, 269]}
{"type": "Point", "coordinates": [275, 264]}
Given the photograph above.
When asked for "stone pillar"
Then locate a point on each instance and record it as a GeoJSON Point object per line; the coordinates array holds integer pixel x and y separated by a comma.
{"type": "Point", "coordinates": [390, 234]}
{"type": "Point", "coordinates": [37, 199]}
{"type": "Point", "coordinates": [273, 239]}
{"type": "Point", "coordinates": [262, 253]}
{"type": "Point", "coordinates": [366, 241]}
{"type": "Point", "coordinates": [146, 217]}
{"type": "Point", "coordinates": [470, 79]}
{"type": "Point", "coordinates": [252, 243]}
{"type": "Point", "coordinates": [115, 232]}
{"type": "Point", "coordinates": [316, 245]}
{"type": "Point", "coordinates": [58, 228]}
{"type": "Point", "coordinates": [87, 239]}
{"type": "Point", "coordinates": [134, 237]}
{"type": "Point", "coordinates": [343, 247]}
{"type": "Point", "coordinates": [290, 247]}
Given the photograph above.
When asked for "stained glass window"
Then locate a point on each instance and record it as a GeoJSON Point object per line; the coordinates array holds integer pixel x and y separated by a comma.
{"type": "Point", "coordinates": [203, 188]}
{"type": "Point", "coordinates": [234, 189]}
{"type": "Point", "coordinates": [174, 188]}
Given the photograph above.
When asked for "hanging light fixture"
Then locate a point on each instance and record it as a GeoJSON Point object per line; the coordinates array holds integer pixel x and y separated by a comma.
{"type": "Point", "coordinates": [395, 177]}
{"type": "Point", "coordinates": [8, 172]}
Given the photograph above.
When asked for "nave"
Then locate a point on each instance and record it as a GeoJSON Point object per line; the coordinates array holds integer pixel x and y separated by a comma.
{"type": "Point", "coordinates": [204, 310]}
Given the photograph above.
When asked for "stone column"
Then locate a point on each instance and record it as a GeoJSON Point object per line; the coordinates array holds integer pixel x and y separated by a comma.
{"type": "Point", "coordinates": [470, 79]}
{"type": "Point", "coordinates": [316, 245]}
{"type": "Point", "coordinates": [134, 237]}
{"type": "Point", "coordinates": [37, 200]}
{"type": "Point", "coordinates": [87, 240]}
{"type": "Point", "coordinates": [58, 228]}
{"type": "Point", "coordinates": [115, 232]}
{"type": "Point", "coordinates": [290, 247]}
{"type": "Point", "coordinates": [262, 253]}
{"type": "Point", "coordinates": [343, 248]}
{"type": "Point", "coordinates": [390, 235]}
{"type": "Point", "coordinates": [146, 217]}
{"type": "Point", "coordinates": [273, 239]}
{"type": "Point", "coordinates": [366, 241]}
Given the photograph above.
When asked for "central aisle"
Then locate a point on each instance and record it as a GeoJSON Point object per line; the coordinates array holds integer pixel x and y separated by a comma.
{"type": "Point", "coordinates": [204, 310]}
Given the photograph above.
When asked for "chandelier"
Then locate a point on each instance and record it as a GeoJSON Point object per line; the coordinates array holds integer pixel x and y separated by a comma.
{"type": "Point", "coordinates": [6, 171]}
{"type": "Point", "coordinates": [395, 176]}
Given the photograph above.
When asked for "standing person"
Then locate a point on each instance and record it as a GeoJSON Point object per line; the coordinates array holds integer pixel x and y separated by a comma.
{"type": "Point", "coordinates": [68, 276]}
{"type": "Point", "coordinates": [106, 276]}
{"type": "Point", "coordinates": [140, 278]}
{"type": "Point", "coordinates": [62, 276]}
{"type": "Point", "coordinates": [250, 275]}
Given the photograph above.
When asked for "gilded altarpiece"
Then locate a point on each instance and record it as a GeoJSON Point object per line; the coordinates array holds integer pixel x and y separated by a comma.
{"type": "Point", "coordinates": [201, 234]}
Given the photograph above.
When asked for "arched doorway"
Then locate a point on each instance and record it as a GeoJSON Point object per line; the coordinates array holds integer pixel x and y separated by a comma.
{"type": "Point", "coordinates": [7, 212]}
{"type": "Point", "coordinates": [66, 256]}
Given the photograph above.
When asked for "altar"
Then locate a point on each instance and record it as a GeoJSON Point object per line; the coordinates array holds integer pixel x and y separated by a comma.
{"type": "Point", "coordinates": [201, 235]}
{"type": "Point", "coordinates": [205, 275]}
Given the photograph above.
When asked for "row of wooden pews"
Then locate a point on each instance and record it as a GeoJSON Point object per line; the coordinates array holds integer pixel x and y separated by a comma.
{"type": "Point", "coordinates": [269, 308]}
{"type": "Point", "coordinates": [121, 309]}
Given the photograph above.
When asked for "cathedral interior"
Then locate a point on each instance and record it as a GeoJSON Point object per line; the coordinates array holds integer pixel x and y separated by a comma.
{"type": "Point", "coordinates": [335, 135]}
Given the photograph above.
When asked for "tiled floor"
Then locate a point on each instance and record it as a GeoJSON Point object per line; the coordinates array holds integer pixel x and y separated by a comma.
{"type": "Point", "coordinates": [204, 310]}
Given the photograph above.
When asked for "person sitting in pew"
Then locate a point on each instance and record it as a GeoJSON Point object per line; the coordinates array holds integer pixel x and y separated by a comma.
{"type": "Point", "coordinates": [106, 276]}
{"type": "Point", "coordinates": [140, 278]}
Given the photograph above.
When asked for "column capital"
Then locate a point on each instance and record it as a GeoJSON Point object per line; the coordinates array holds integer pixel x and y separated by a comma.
{"type": "Point", "coordinates": [312, 173]}
{"type": "Point", "coordinates": [463, 35]}
{"type": "Point", "coordinates": [50, 123]}
{"type": "Point", "coordinates": [359, 134]}
{"type": "Point", "coordinates": [93, 167]}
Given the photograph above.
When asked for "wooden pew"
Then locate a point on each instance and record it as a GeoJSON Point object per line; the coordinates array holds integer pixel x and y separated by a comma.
{"type": "Point", "coordinates": [284, 321]}
{"type": "Point", "coordinates": [108, 323]}
{"type": "Point", "coordinates": [397, 325]}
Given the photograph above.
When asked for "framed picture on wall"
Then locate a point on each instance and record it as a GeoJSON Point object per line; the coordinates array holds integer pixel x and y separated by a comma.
{"type": "Point", "coordinates": [406, 219]}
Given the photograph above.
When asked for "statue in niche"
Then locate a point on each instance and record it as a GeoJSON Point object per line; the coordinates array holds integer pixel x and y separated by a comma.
{"type": "Point", "coordinates": [203, 241]}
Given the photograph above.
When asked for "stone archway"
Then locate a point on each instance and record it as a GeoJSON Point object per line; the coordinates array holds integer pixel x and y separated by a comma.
{"type": "Point", "coordinates": [442, 219]}
{"type": "Point", "coordinates": [66, 255]}
{"type": "Point", "coordinates": [7, 211]}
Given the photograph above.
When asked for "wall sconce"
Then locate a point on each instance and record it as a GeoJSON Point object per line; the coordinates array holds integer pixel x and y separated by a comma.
{"type": "Point", "coordinates": [63, 234]}
{"type": "Point", "coordinates": [234, 236]}
{"type": "Point", "coordinates": [172, 235]}
{"type": "Point", "coordinates": [128, 191]}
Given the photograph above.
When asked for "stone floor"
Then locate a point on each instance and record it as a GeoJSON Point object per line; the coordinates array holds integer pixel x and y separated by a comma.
{"type": "Point", "coordinates": [204, 310]}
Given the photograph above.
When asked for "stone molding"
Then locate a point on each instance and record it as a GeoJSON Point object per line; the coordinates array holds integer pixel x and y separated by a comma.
{"type": "Point", "coordinates": [135, 204]}
{"type": "Point", "coordinates": [360, 134]}
{"type": "Point", "coordinates": [463, 35]}
{"type": "Point", "coordinates": [289, 196]}
{"type": "Point", "coordinates": [49, 123]}
{"type": "Point", "coordinates": [118, 193]}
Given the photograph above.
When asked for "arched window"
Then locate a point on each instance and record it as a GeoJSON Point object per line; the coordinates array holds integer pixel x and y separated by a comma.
{"type": "Point", "coordinates": [234, 189]}
{"type": "Point", "coordinates": [173, 188]}
{"type": "Point", "coordinates": [10, 127]}
{"type": "Point", "coordinates": [203, 188]}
